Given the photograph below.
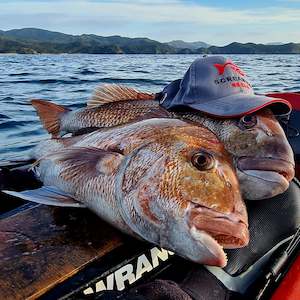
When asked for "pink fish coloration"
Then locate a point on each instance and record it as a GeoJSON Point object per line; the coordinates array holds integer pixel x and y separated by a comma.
{"type": "Point", "coordinates": [111, 105]}
{"type": "Point", "coordinates": [259, 148]}
{"type": "Point", "coordinates": [162, 180]}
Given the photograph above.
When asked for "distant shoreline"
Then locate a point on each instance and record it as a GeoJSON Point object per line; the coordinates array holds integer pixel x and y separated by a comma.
{"type": "Point", "coordinates": [40, 41]}
{"type": "Point", "coordinates": [167, 54]}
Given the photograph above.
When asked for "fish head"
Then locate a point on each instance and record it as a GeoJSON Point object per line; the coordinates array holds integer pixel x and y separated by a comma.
{"type": "Point", "coordinates": [181, 191]}
{"type": "Point", "coordinates": [262, 154]}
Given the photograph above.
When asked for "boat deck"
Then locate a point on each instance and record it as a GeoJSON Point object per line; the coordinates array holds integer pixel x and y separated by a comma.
{"type": "Point", "coordinates": [42, 246]}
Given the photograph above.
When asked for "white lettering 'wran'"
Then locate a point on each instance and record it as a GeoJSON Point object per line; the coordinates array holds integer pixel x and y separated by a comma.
{"type": "Point", "coordinates": [126, 273]}
{"type": "Point", "coordinates": [143, 265]}
{"type": "Point", "coordinates": [122, 275]}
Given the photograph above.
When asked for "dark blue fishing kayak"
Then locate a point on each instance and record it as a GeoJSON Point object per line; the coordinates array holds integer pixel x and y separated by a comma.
{"type": "Point", "coordinates": [63, 253]}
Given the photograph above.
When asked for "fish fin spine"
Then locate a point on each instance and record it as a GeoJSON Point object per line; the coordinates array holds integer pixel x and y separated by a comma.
{"type": "Point", "coordinates": [108, 93]}
{"type": "Point", "coordinates": [49, 114]}
{"type": "Point", "coordinates": [48, 195]}
{"type": "Point", "coordinates": [90, 161]}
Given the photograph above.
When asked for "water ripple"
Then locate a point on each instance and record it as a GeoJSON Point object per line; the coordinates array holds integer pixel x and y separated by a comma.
{"type": "Point", "coordinates": [20, 74]}
{"type": "Point", "coordinates": [70, 80]}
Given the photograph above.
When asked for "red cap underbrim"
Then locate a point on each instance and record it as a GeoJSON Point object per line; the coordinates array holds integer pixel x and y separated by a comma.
{"type": "Point", "coordinates": [234, 106]}
{"type": "Point", "coordinates": [293, 98]}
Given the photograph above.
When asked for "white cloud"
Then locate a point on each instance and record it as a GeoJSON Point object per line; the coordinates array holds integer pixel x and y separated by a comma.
{"type": "Point", "coordinates": [153, 11]}
{"type": "Point", "coordinates": [133, 17]}
{"type": "Point", "coordinates": [289, 1]}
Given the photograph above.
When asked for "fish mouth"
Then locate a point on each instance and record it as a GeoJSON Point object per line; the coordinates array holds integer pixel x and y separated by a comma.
{"type": "Point", "coordinates": [228, 231]}
{"type": "Point", "coordinates": [268, 169]}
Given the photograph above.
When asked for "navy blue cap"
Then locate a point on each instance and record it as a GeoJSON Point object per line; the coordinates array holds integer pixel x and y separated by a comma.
{"type": "Point", "coordinates": [216, 86]}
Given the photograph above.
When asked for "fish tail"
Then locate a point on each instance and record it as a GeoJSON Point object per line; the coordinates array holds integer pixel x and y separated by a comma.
{"type": "Point", "coordinates": [50, 115]}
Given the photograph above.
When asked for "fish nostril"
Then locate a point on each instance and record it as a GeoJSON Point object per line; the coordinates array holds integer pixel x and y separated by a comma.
{"type": "Point", "coordinates": [228, 184]}
{"type": "Point", "coordinates": [269, 133]}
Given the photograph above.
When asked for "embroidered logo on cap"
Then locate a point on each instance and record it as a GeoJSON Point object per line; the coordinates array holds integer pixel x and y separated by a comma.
{"type": "Point", "coordinates": [236, 81]}
{"type": "Point", "coordinates": [232, 66]}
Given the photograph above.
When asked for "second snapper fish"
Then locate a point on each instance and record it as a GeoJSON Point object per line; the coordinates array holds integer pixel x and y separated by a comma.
{"type": "Point", "coordinates": [163, 180]}
{"type": "Point", "coordinates": [260, 150]}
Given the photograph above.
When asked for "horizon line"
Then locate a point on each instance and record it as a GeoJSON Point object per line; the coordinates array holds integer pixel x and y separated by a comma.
{"type": "Point", "coordinates": [145, 37]}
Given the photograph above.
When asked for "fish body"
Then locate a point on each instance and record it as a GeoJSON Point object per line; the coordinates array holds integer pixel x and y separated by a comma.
{"type": "Point", "coordinates": [131, 106]}
{"type": "Point", "coordinates": [111, 114]}
{"type": "Point", "coordinates": [162, 180]}
{"type": "Point", "coordinates": [260, 150]}
{"type": "Point", "coordinates": [262, 155]}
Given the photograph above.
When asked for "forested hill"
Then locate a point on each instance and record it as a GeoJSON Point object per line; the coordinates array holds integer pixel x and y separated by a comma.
{"type": "Point", "coordinates": [33, 40]}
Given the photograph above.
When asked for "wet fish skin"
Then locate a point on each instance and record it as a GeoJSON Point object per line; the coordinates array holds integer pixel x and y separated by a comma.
{"type": "Point", "coordinates": [131, 105]}
{"type": "Point", "coordinates": [140, 178]}
{"type": "Point", "coordinates": [111, 114]}
{"type": "Point", "coordinates": [270, 159]}
{"type": "Point", "coordinates": [265, 140]}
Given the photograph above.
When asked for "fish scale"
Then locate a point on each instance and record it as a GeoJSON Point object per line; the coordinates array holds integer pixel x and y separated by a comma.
{"type": "Point", "coordinates": [261, 137]}
{"type": "Point", "coordinates": [131, 177]}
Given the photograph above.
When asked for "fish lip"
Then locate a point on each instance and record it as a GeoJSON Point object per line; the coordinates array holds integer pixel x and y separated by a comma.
{"type": "Point", "coordinates": [230, 231]}
{"type": "Point", "coordinates": [284, 168]}
{"type": "Point", "coordinates": [218, 257]}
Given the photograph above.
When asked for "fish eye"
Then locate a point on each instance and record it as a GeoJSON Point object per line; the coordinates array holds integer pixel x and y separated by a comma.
{"type": "Point", "coordinates": [203, 161]}
{"type": "Point", "coordinates": [248, 121]}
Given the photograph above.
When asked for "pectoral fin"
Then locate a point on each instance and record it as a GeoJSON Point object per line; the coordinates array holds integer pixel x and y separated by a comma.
{"type": "Point", "coordinates": [77, 164]}
{"type": "Point", "coordinates": [86, 161]}
{"type": "Point", "coordinates": [48, 195]}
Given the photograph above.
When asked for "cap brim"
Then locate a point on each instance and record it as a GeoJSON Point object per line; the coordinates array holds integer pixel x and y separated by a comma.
{"type": "Point", "coordinates": [234, 106]}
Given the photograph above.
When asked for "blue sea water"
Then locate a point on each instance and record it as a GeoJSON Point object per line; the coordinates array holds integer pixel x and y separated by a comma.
{"type": "Point", "coordinates": [71, 79]}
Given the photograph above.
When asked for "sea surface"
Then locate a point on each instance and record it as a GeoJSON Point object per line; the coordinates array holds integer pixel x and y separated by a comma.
{"type": "Point", "coordinates": [71, 79]}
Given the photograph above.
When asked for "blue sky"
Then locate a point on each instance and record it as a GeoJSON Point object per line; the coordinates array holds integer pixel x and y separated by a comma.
{"type": "Point", "coordinates": [215, 22]}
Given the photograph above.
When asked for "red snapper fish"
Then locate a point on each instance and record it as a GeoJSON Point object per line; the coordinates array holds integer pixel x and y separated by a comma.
{"type": "Point", "coordinates": [166, 181]}
{"type": "Point", "coordinates": [261, 153]}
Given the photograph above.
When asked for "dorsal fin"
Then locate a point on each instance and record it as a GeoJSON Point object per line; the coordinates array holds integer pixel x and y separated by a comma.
{"type": "Point", "coordinates": [108, 93]}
